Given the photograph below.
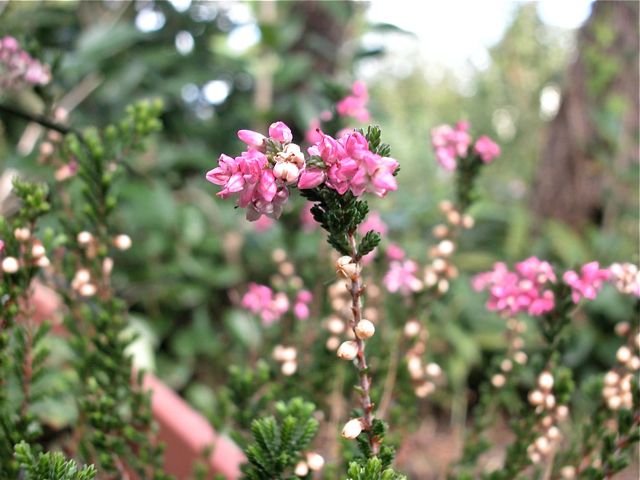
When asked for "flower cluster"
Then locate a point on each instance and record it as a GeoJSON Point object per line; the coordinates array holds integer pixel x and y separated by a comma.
{"type": "Point", "coordinates": [261, 300]}
{"type": "Point", "coordinates": [626, 278]}
{"type": "Point", "coordinates": [347, 164]}
{"type": "Point", "coordinates": [355, 104]}
{"type": "Point", "coordinates": [17, 67]}
{"type": "Point", "coordinates": [524, 290]}
{"type": "Point", "coordinates": [588, 283]}
{"type": "Point", "coordinates": [452, 143]}
{"type": "Point", "coordinates": [401, 277]}
{"type": "Point", "coordinates": [262, 175]}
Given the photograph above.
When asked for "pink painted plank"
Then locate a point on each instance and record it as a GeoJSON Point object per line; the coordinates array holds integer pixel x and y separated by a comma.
{"type": "Point", "coordinates": [186, 434]}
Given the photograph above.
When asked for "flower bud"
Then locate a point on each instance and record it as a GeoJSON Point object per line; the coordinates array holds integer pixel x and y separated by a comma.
{"type": "Point", "coordinates": [253, 139]}
{"type": "Point", "coordinates": [286, 171]}
{"type": "Point", "coordinates": [568, 472]}
{"type": "Point", "coordinates": [38, 250]}
{"type": "Point", "coordinates": [634, 363]}
{"type": "Point", "coordinates": [22, 234]}
{"type": "Point", "coordinates": [611, 378]}
{"type": "Point", "coordinates": [365, 329]}
{"type": "Point", "coordinates": [87, 290]}
{"type": "Point", "coordinates": [562, 412]}
{"type": "Point", "coordinates": [433, 370]}
{"type": "Point", "coordinates": [302, 469]}
{"type": "Point", "coordinates": [445, 206]}
{"type": "Point", "coordinates": [498, 380]}
{"type": "Point", "coordinates": [332, 343]}
{"type": "Point", "coordinates": [520, 357]}
{"type": "Point", "coordinates": [122, 242]}
{"type": "Point", "coordinates": [424, 389]}
{"type": "Point", "coordinates": [553, 433]}
{"type": "Point", "coordinates": [536, 397]}
{"type": "Point", "coordinates": [440, 231]}
{"type": "Point", "coordinates": [622, 328]}
{"type": "Point", "coordinates": [315, 461]}
{"type": "Point", "coordinates": [84, 238]}
{"type": "Point", "coordinates": [506, 365]}
{"type": "Point", "coordinates": [623, 354]}
{"type": "Point", "coordinates": [446, 248]}
{"type": "Point", "coordinates": [348, 350]}
{"type": "Point", "coordinates": [345, 267]}
{"type": "Point", "coordinates": [10, 265]}
{"type": "Point", "coordinates": [289, 368]}
{"type": "Point", "coordinates": [43, 262]}
{"type": "Point", "coordinates": [545, 381]}
{"type": "Point", "coordinates": [352, 428]}
{"type": "Point", "coordinates": [542, 444]}
{"type": "Point", "coordinates": [549, 402]}
{"type": "Point", "coordinates": [107, 266]}
{"type": "Point", "coordinates": [467, 221]}
{"type": "Point", "coordinates": [411, 328]}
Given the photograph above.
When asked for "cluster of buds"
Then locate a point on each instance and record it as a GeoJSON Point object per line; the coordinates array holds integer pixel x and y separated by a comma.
{"type": "Point", "coordinates": [626, 278]}
{"type": "Point", "coordinates": [551, 415]}
{"type": "Point", "coordinates": [441, 271]}
{"type": "Point", "coordinates": [348, 350]}
{"type": "Point", "coordinates": [18, 68]}
{"type": "Point", "coordinates": [83, 284]}
{"type": "Point", "coordinates": [287, 280]}
{"type": "Point", "coordinates": [32, 252]}
{"type": "Point", "coordinates": [47, 149]}
{"type": "Point", "coordinates": [288, 359]}
{"type": "Point", "coordinates": [451, 144]}
{"type": "Point", "coordinates": [313, 461]}
{"type": "Point", "coordinates": [424, 378]}
{"type": "Point", "coordinates": [89, 243]}
{"type": "Point", "coordinates": [618, 382]}
{"type": "Point", "coordinates": [515, 355]}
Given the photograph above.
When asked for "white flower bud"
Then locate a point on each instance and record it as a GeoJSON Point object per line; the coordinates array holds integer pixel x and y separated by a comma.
{"type": "Point", "coordinates": [289, 368]}
{"type": "Point", "coordinates": [315, 461]}
{"type": "Point", "coordinates": [536, 397]}
{"type": "Point", "coordinates": [365, 329]}
{"type": "Point", "coordinates": [348, 350]}
{"type": "Point", "coordinates": [43, 262]}
{"type": "Point", "coordinates": [430, 277]}
{"type": "Point", "coordinates": [506, 365]}
{"type": "Point", "coordinates": [622, 328]}
{"type": "Point", "coordinates": [549, 401]}
{"type": "Point", "coordinates": [623, 354]}
{"type": "Point", "coordinates": [122, 242]}
{"type": "Point", "coordinates": [520, 357]}
{"type": "Point", "coordinates": [542, 444]}
{"type": "Point", "coordinates": [38, 251]}
{"type": "Point", "coordinates": [614, 402]}
{"type": "Point", "coordinates": [554, 433]}
{"type": "Point", "coordinates": [568, 472]}
{"type": "Point", "coordinates": [302, 469]}
{"type": "Point", "coordinates": [84, 238]}
{"type": "Point", "coordinates": [445, 206]}
{"type": "Point", "coordinates": [433, 370]}
{"type": "Point", "coordinates": [107, 266]}
{"type": "Point", "coordinates": [446, 248]}
{"type": "Point", "coordinates": [454, 218]}
{"type": "Point", "coordinates": [289, 354]}
{"type": "Point", "coordinates": [545, 381]}
{"type": "Point", "coordinates": [279, 255]}
{"type": "Point", "coordinates": [443, 286]}
{"type": "Point", "coordinates": [87, 290]}
{"type": "Point", "coordinates": [498, 380]}
{"type": "Point", "coordinates": [10, 265]}
{"type": "Point", "coordinates": [424, 389]}
{"type": "Point", "coordinates": [439, 265]}
{"type": "Point", "coordinates": [411, 328]}
{"type": "Point", "coordinates": [562, 412]}
{"type": "Point", "coordinates": [440, 231]}
{"type": "Point", "coordinates": [468, 221]}
{"type": "Point", "coordinates": [535, 457]}
{"type": "Point", "coordinates": [82, 276]}
{"type": "Point", "coordinates": [22, 234]}
{"type": "Point", "coordinates": [332, 343]}
{"type": "Point", "coordinates": [352, 428]}
{"type": "Point", "coordinates": [634, 363]}
{"type": "Point", "coordinates": [345, 267]}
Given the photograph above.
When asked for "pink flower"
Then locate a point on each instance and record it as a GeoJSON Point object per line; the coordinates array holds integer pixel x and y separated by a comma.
{"type": "Point", "coordinates": [487, 149]}
{"type": "Point", "coordinates": [313, 133]}
{"type": "Point", "coordinates": [1, 246]}
{"type": "Point", "coordinates": [395, 252]}
{"type": "Point", "coordinates": [352, 166]}
{"type": "Point", "coordinates": [253, 139]}
{"type": "Point", "coordinates": [588, 283]}
{"type": "Point", "coordinates": [280, 132]}
{"type": "Point", "coordinates": [301, 305]}
{"type": "Point", "coordinates": [311, 178]}
{"type": "Point", "coordinates": [260, 300]}
{"type": "Point", "coordinates": [354, 105]}
{"type": "Point", "coordinates": [258, 176]}
{"type": "Point", "coordinates": [401, 278]}
{"type": "Point", "coordinates": [450, 143]}
{"type": "Point", "coordinates": [521, 291]}
{"type": "Point", "coordinates": [18, 68]}
{"type": "Point", "coordinates": [373, 222]}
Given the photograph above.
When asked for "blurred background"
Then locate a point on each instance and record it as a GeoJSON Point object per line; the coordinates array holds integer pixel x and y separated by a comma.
{"type": "Point", "coordinates": [554, 82]}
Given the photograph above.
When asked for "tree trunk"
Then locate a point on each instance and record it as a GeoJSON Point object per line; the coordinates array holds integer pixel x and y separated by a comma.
{"type": "Point", "coordinates": [588, 170]}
